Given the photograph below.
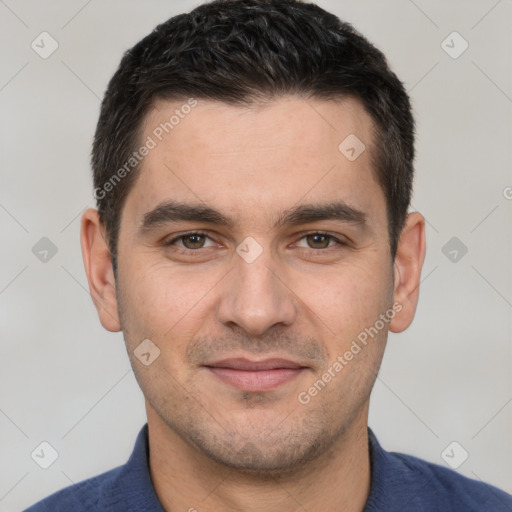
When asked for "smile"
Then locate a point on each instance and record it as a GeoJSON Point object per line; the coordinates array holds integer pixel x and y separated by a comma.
{"type": "Point", "coordinates": [255, 376]}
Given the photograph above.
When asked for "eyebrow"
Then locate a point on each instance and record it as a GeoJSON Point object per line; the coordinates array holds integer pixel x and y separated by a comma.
{"type": "Point", "coordinates": [175, 211]}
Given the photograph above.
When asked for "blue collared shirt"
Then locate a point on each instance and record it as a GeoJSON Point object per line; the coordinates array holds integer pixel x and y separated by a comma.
{"type": "Point", "coordinates": [399, 483]}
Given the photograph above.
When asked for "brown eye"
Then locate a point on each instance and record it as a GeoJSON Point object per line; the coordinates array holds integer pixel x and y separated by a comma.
{"type": "Point", "coordinates": [319, 243]}
{"type": "Point", "coordinates": [318, 240]}
{"type": "Point", "coordinates": [193, 241]}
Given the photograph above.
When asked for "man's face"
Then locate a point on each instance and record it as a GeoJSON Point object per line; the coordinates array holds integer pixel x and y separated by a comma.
{"type": "Point", "coordinates": [249, 316]}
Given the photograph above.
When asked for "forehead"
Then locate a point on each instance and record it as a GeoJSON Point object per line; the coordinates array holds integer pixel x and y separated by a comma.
{"type": "Point", "coordinates": [302, 126]}
{"type": "Point", "coordinates": [257, 160]}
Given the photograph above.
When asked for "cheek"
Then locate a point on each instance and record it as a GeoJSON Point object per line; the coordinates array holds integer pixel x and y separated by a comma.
{"type": "Point", "coordinates": [347, 299]}
{"type": "Point", "coordinates": [162, 303]}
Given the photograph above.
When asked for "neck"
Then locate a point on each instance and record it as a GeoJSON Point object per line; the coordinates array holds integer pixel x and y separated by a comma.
{"type": "Point", "coordinates": [185, 479]}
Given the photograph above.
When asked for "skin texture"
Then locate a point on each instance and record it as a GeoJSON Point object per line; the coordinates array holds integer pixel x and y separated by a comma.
{"type": "Point", "coordinates": [213, 446]}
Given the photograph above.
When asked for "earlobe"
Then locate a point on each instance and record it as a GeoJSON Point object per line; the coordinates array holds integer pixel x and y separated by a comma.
{"type": "Point", "coordinates": [407, 270]}
{"type": "Point", "coordinates": [98, 267]}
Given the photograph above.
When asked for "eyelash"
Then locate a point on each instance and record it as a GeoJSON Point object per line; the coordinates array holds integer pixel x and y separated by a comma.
{"type": "Point", "coordinates": [202, 233]}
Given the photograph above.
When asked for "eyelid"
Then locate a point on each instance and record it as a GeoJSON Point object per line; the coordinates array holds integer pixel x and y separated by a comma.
{"type": "Point", "coordinates": [341, 239]}
{"type": "Point", "coordinates": [183, 235]}
{"type": "Point", "coordinates": [332, 237]}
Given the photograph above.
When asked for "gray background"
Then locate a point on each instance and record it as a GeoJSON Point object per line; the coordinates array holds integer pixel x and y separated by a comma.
{"type": "Point", "coordinates": [65, 380]}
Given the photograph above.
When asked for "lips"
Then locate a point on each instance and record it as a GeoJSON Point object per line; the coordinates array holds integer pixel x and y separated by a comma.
{"type": "Point", "coordinates": [255, 376]}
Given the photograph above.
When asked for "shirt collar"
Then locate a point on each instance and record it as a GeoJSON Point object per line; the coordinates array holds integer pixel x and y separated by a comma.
{"type": "Point", "coordinates": [134, 480]}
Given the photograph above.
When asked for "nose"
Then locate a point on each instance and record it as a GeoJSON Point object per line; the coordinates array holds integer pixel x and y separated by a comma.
{"type": "Point", "coordinates": [255, 296]}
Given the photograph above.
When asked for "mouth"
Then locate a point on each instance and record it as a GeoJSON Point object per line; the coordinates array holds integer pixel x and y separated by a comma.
{"type": "Point", "coordinates": [255, 376]}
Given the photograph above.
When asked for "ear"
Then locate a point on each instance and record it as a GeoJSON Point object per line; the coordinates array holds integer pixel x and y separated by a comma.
{"type": "Point", "coordinates": [98, 267]}
{"type": "Point", "coordinates": [407, 267]}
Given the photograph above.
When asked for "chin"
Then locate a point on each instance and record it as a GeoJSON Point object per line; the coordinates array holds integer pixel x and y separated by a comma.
{"type": "Point", "coordinates": [258, 459]}
{"type": "Point", "coordinates": [261, 447]}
